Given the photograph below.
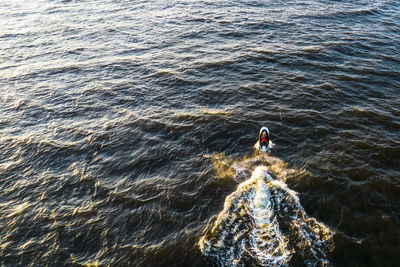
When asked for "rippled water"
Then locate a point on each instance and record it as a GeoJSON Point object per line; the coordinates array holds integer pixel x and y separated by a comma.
{"type": "Point", "coordinates": [264, 223]}
{"type": "Point", "coordinates": [127, 131]}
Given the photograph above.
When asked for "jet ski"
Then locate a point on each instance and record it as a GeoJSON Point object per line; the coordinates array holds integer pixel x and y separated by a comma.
{"type": "Point", "coordinates": [263, 143]}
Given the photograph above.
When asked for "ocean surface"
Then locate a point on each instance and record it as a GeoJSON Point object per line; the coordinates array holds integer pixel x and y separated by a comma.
{"type": "Point", "coordinates": [128, 132]}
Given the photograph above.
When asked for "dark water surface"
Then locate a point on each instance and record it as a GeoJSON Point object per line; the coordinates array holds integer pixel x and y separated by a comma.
{"type": "Point", "coordinates": [127, 131]}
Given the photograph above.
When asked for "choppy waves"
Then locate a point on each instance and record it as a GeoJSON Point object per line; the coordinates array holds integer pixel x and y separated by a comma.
{"type": "Point", "coordinates": [111, 112]}
{"type": "Point", "coordinates": [263, 223]}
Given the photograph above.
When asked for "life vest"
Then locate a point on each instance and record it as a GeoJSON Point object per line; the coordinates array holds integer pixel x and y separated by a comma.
{"type": "Point", "coordinates": [264, 140]}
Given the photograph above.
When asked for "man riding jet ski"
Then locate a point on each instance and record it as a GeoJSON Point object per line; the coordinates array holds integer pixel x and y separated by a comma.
{"type": "Point", "coordinates": [263, 139]}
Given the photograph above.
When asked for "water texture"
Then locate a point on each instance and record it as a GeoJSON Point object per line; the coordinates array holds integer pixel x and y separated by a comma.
{"type": "Point", "coordinates": [263, 223]}
{"type": "Point", "coordinates": [127, 131]}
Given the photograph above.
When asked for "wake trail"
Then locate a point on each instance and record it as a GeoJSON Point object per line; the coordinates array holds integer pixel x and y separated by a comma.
{"type": "Point", "coordinates": [263, 222]}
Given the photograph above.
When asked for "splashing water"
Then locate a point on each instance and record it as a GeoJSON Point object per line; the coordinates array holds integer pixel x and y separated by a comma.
{"type": "Point", "coordinates": [263, 223]}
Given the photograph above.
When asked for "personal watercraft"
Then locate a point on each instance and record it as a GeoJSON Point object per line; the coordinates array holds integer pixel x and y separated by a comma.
{"type": "Point", "coordinates": [263, 143]}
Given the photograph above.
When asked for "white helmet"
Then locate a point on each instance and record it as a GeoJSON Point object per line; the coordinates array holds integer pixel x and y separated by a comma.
{"type": "Point", "coordinates": [264, 128]}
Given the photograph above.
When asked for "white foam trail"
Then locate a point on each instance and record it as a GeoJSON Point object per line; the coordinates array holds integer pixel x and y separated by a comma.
{"type": "Point", "coordinates": [263, 223]}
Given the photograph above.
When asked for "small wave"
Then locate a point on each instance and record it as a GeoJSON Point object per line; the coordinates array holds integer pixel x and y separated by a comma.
{"type": "Point", "coordinates": [17, 210]}
{"type": "Point", "coordinates": [263, 223]}
{"type": "Point", "coordinates": [240, 170]}
{"type": "Point", "coordinates": [199, 113]}
{"type": "Point", "coordinates": [357, 12]}
{"type": "Point", "coordinates": [312, 48]}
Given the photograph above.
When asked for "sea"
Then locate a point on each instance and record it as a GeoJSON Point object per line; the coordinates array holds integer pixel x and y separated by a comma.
{"type": "Point", "coordinates": [128, 133]}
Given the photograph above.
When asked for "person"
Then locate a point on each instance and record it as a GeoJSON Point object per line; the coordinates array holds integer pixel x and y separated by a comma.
{"type": "Point", "coordinates": [264, 139]}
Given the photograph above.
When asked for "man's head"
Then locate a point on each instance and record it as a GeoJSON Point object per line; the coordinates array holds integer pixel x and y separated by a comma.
{"type": "Point", "coordinates": [264, 133]}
